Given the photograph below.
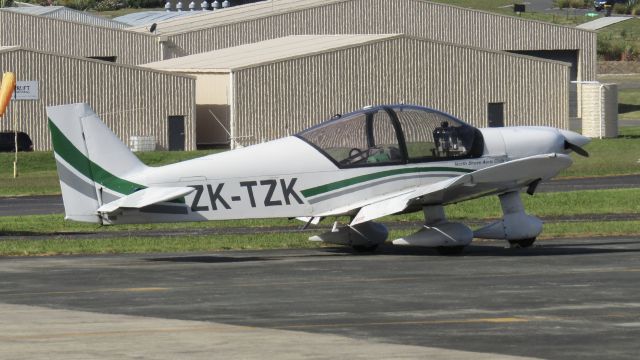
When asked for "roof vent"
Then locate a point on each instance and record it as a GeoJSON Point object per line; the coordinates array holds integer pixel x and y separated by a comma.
{"type": "Point", "coordinates": [215, 5]}
{"type": "Point", "coordinates": [205, 5]}
{"type": "Point", "coordinates": [226, 4]}
{"type": "Point", "coordinates": [179, 6]}
{"type": "Point", "coordinates": [167, 6]}
{"type": "Point", "coordinates": [192, 5]}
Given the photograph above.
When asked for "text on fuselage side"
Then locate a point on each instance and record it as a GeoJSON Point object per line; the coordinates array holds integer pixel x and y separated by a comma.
{"type": "Point", "coordinates": [277, 193]}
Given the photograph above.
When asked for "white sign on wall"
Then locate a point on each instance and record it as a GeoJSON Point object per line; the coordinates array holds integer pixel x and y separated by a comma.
{"type": "Point", "coordinates": [26, 90]}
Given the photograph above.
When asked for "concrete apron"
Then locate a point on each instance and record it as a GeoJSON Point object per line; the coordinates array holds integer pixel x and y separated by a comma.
{"type": "Point", "coordinates": [30, 332]}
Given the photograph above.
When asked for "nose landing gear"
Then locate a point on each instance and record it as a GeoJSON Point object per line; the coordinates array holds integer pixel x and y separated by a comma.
{"type": "Point", "coordinates": [516, 226]}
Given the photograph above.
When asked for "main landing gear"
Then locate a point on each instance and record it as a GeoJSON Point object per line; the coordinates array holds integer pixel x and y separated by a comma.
{"type": "Point", "coordinates": [448, 238]}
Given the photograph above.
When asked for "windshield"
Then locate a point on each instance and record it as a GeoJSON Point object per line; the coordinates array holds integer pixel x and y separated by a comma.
{"type": "Point", "coordinates": [392, 135]}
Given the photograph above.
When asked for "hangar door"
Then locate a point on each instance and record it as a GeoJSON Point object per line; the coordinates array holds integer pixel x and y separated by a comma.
{"type": "Point", "coordinates": [176, 133]}
{"type": "Point", "coordinates": [569, 56]}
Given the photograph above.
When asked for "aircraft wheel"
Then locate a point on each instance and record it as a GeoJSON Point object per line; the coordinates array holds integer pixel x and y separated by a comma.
{"type": "Point", "coordinates": [450, 250]}
{"type": "Point", "coordinates": [524, 243]}
{"type": "Point", "coordinates": [365, 248]}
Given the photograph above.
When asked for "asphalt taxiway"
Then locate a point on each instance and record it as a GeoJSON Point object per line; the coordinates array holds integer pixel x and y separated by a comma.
{"type": "Point", "coordinates": [563, 299]}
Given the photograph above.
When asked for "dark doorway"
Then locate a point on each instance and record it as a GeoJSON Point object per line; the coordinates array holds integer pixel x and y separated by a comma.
{"type": "Point", "coordinates": [176, 133]}
{"type": "Point", "coordinates": [496, 114]}
{"type": "Point", "coordinates": [569, 56]}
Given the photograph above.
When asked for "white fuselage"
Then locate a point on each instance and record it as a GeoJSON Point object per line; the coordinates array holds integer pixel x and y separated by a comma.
{"type": "Point", "coordinates": [297, 180]}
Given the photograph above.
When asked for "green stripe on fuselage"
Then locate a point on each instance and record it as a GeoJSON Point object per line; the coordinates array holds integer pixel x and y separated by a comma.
{"type": "Point", "coordinates": [65, 149]}
{"type": "Point", "coordinates": [377, 175]}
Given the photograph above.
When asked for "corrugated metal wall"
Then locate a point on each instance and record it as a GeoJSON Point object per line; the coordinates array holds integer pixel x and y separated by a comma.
{"type": "Point", "coordinates": [412, 17]}
{"type": "Point", "coordinates": [285, 97]}
{"type": "Point", "coordinates": [69, 38]}
{"type": "Point", "coordinates": [131, 101]}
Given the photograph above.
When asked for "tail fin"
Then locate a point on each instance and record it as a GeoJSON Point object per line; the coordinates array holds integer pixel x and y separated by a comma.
{"type": "Point", "coordinates": [93, 164]}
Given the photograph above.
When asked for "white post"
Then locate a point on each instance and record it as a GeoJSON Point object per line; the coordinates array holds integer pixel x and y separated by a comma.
{"type": "Point", "coordinates": [15, 139]}
{"type": "Point", "coordinates": [601, 106]}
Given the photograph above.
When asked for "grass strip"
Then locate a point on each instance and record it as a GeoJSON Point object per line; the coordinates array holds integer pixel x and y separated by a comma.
{"type": "Point", "coordinates": [177, 244]}
{"type": "Point", "coordinates": [590, 229]}
{"type": "Point", "coordinates": [163, 244]}
{"type": "Point", "coordinates": [607, 157]}
{"type": "Point", "coordinates": [589, 202]}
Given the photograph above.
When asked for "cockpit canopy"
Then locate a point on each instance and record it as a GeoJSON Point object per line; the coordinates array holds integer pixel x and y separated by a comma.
{"type": "Point", "coordinates": [394, 134]}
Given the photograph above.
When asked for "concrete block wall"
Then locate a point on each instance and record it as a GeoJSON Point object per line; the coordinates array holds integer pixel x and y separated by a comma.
{"type": "Point", "coordinates": [599, 109]}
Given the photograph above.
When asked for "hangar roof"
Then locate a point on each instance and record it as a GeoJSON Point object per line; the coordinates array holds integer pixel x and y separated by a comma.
{"type": "Point", "coordinates": [35, 10]}
{"type": "Point", "coordinates": [149, 17]}
{"type": "Point", "coordinates": [65, 13]}
{"type": "Point", "coordinates": [261, 9]}
{"type": "Point", "coordinates": [7, 49]}
{"type": "Point", "coordinates": [233, 14]}
{"type": "Point", "coordinates": [603, 22]}
{"type": "Point", "coordinates": [284, 48]}
{"type": "Point", "coordinates": [254, 54]}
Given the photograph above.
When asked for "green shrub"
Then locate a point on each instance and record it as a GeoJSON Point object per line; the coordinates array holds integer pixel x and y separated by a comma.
{"type": "Point", "coordinates": [621, 9]}
{"type": "Point", "coordinates": [577, 4]}
{"type": "Point", "coordinates": [106, 5]}
{"type": "Point", "coordinates": [76, 4]}
{"type": "Point", "coordinates": [630, 53]}
{"type": "Point", "coordinates": [144, 3]}
{"type": "Point", "coordinates": [574, 4]}
{"type": "Point", "coordinates": [610, 50]}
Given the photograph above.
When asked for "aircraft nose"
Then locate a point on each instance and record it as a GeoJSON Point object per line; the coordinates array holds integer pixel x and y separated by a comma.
{"type": "Point", "coordinates": [574, 141]}
{"type": "Point", "coordinates": [575, 138]}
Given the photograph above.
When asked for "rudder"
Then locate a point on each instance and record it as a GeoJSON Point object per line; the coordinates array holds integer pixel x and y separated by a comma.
{"type": "Point", "coordinates": [93, 164]}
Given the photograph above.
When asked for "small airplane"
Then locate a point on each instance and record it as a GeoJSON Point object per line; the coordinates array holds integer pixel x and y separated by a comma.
{"type": "Point", "coordinates": [377, 161]}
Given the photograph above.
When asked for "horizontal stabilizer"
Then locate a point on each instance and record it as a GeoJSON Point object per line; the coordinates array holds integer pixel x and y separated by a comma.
{"type": "Point", "coordinates": [146, 197]}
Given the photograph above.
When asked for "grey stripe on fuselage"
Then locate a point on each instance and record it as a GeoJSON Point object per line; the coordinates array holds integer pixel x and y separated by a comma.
{"type": "Point", "coordinates": [82, 186]}
{"type": "Point", "coordinates": [374, 183]}
{"type": "Point", "coordinates": [75, 182]}
{"type": "Point", "coordinates": [165, 209]}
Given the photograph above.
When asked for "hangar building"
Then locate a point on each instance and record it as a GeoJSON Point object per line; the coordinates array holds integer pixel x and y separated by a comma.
{"type": "Point", "coordinates": [65, 13]}
{"type": "Point", "coordinates": [269, 89]}
{"type": "Point", "coordinates": [212, 30]}
{"type": "Point", "coordinates": [132, 101]}
{"type": "Point", "coordinates": [434, 21]}
{"type": "Point", "coordinates": [464, 29]}
{"type": "Point", "coordinates": [75, 38]}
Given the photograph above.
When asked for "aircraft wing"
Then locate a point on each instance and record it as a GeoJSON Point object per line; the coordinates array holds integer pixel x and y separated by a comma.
{"type": "Point", "coordinates": [146, 197]}
{"type": "Point", "coordinates": [494, 179]}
